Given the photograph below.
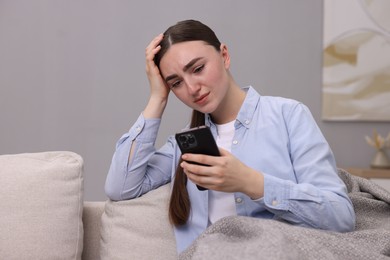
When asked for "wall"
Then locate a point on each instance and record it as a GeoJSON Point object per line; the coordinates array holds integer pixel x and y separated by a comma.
{"type": "Point", "coordinates": [72, 72]}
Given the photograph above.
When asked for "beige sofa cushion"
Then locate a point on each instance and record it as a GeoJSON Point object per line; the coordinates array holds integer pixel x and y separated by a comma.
{"type": "Point", "coordinates": [138, 228]}
{"type": "Point", "coordinates": [41, 206]}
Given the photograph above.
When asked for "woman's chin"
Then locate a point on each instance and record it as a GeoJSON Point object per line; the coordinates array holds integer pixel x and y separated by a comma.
{"type": "Point", "coordinates": [205, 109]}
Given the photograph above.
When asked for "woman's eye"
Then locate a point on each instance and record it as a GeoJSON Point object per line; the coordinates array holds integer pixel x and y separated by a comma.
{"type": "Point", "coordinates": [175, 84]}
{"type": "Point", "coordinates": [198, 69]}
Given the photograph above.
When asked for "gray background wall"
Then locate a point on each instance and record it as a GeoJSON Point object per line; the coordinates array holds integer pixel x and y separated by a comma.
{"type": "Point", "coordinates": [72, 72]}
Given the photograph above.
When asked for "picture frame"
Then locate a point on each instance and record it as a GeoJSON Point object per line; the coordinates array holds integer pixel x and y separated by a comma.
{"type": "Point", "coordinates": [356, 60]}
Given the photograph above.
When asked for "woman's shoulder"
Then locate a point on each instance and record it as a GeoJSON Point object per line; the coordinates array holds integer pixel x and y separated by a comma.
{"type": "Point", "coordinates": [273, 100]}
{"type": "Point", "coordinates": [283, 103]}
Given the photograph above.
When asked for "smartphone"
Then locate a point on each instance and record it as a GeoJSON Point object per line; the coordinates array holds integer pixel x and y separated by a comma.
{"type": "Point", "coordinates": [197, 140]}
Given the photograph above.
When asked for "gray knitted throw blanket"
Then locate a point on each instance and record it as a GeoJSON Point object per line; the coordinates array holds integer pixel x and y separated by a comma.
{"type": "Point", "coordinates": [250, 238]}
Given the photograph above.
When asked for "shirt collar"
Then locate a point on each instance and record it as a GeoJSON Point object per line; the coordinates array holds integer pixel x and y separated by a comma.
{"type": "Point", "coordinates": [247, 110]}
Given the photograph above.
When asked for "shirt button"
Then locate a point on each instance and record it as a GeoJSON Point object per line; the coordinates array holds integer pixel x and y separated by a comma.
{"type": "Point", "coordinates": [238, 200]}
{"type": "Point", "coordinates": [138, 129]}
{"type": "Point", "coordinates": [247, 122]}
{"type": "Point", "coordinates": [235, 142]}
{"type": "Point", "coordinates": [274, 202]}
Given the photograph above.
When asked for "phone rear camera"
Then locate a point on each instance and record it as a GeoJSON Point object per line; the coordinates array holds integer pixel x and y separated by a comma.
{"type": "Point", "coordinates": [187, 140]}
{"type": "Point", "coordinates": [183, 138]}
{"type": "Point", "coordinates": [191, 140]}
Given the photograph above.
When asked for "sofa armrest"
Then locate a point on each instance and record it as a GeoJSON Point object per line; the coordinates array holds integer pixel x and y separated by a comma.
{"type": "Point", "coordinates": [92, 214]}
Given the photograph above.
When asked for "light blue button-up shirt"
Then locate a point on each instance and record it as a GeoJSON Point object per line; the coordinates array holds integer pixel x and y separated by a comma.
{"type": "Point", "coordinates": [273, 135]}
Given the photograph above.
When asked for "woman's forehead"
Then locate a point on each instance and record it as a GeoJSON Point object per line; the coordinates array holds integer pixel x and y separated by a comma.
{"type": "Point", "coordinates": [183, 52]}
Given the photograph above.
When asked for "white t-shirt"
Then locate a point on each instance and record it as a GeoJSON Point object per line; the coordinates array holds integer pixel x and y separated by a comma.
{"type": "Point", "coordinates": [222, 204]}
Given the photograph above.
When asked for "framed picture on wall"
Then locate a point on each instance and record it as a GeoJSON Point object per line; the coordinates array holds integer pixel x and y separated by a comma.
{"type": "Point", "coordinates": [356, 60]}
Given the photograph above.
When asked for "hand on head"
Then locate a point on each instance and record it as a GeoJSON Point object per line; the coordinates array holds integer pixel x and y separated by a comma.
{"type": "Point", "coordinates": [157, 84]}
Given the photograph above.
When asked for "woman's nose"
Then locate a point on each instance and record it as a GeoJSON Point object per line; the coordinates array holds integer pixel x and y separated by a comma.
{"type": "Point", "coordinates": [193, 86]}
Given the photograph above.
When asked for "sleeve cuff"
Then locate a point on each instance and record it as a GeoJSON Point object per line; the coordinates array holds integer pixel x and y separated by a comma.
{"type": "Point", "coordinates": [276, 193]}
{"type": "Point", "coordinates": [145, 130]}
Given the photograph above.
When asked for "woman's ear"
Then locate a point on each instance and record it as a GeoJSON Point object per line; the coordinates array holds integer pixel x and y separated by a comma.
{"type": "Point", "coordinates": [225, 55]}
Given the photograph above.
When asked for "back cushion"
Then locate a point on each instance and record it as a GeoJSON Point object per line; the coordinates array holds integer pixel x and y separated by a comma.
{"type": "Point", "coordinates": [41, 206]}
{"type": "Point", "coordinates": [138, 228]}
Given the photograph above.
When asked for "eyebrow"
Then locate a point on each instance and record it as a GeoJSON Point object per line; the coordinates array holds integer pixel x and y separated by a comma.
{"type": "Point", "coordinates": [185, 68]}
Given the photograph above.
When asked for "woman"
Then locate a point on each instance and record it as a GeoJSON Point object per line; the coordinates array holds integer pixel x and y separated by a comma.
{"type": "Point", "coordinates": [274, 162]}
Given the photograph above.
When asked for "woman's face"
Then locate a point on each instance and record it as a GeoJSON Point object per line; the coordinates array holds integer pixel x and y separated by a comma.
{"type": "Point", "coordinates": [197, 74]}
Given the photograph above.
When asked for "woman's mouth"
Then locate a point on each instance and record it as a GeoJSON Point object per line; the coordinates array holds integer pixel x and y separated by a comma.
{"type": "Point", "coordinates": [202, 99]}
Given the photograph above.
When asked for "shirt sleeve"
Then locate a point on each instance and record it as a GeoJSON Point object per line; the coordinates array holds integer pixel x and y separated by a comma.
{"type": "Point", "coordinates": [319, 197]}
{"type": "Point", "coordinates": [148, 168]}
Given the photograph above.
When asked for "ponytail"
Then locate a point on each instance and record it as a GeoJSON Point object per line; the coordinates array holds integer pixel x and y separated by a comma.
{"type": "Point", "coordinates": [180, 204]}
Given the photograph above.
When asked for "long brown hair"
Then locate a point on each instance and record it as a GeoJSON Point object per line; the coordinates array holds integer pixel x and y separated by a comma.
{"type": "Point", "coordinates": [179, 204]}
{"type": "Point", "coordinates": [188, 30]}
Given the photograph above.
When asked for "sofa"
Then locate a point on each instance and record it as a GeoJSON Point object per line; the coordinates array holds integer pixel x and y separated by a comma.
{"type": "Point", "coordinates": [44, 215]}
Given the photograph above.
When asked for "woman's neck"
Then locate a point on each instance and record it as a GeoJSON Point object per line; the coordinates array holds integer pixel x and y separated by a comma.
{"type": "Point", "coordinates": [230, 106]}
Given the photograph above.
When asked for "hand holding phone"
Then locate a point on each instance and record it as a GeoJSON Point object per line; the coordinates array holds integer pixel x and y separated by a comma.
{"type": "Point", "coordinates": [198, 140]}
